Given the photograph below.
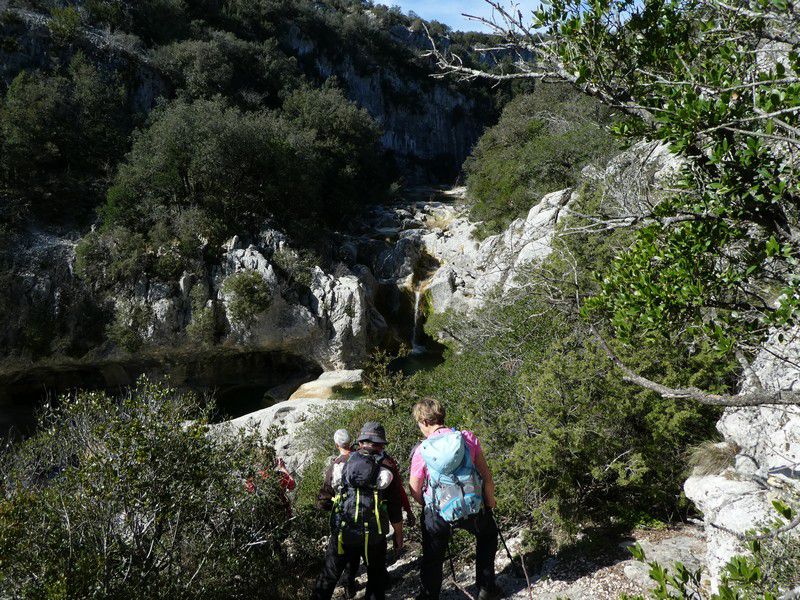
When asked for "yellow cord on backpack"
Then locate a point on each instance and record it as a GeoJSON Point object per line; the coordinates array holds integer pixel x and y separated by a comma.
{"type": "Point", "coordinates": [358, 502]}
{"type": "Point", "coordinates": [341, 543]}
{"type": "Point", "coordinates": [366, 544]}
{"type": "Point", "coordinates": [377, 514]}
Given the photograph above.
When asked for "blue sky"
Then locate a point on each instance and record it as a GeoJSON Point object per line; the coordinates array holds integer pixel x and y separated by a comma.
{"type": "Point", "coordinates": [449, 11]}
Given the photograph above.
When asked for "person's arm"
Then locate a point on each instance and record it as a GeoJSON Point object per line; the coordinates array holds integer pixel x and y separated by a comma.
{"type": "Point", "coordinates": [415, 487]}
{"type": "Point", "coordinates": [417, 475]}
{"type": "Point", "coordinates": [404, 500]}
{"type": "Point", "coordinates": [488, 482]}
{"type": "Point", "coordinates": [398, 535]}
{"type": "Point", "coordinates": [394, 505]}
{"type": "Point", "coordinates": [326, 493]}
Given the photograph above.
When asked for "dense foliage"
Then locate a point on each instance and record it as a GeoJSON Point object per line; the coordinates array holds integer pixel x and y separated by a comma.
{"type": "Point", "coordinates": [540, 145]}
{"type": "Point", "coordinates": [717, 82]}
{"type": "Point", "coordinates": [60, 135]}
{"type": "Point", "coordinates": [120, 498]}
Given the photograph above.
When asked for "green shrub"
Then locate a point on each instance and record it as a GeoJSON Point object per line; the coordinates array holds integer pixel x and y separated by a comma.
{"type": "Point", "coordinates": [65, 23]}
{"type": "Point", "coordinates": [202, 329]}
{"type": "Point", "coordinates": [540, 145]}
{"type": "Point", "coordinates": [770, 568]}
{"type": "Point", "coordinates": [248, 294]}
{"type": "Point", "coordinates": [59, 135]}
{"type": "Point", "coordinates": [349, 169]}
{"type": "Point", "coordinates": [128, 328]}
{"type": "Point", "coordinates": [225, 64]}
{"type": "Point", "coordinates": [131, 497]}
{"type": "Point", "coordinates": [113, 257]}
{"type": "Point", "coordinates": [296, 265]}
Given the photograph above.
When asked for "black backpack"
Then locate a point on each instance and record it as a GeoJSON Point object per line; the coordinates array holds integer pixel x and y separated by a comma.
{"type": "Point", "coordinates": [359, 514]}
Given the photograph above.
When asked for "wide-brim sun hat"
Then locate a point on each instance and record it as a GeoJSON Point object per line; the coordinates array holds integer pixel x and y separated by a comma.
{"type": "Point", "coordinates": [374, 432]}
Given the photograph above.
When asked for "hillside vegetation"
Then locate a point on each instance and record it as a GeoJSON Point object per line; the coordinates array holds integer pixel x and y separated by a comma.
{"type": "Point", "coordinates": [168, 127]}
{"type": "Point", "coordinates": [541, 143]}
{"type": "Point", "coordinates": [677, 290]}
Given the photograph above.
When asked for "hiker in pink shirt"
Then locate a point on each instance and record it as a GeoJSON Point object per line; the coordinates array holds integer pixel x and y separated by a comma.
{"type": "Point", "coordinates": [451, 479]}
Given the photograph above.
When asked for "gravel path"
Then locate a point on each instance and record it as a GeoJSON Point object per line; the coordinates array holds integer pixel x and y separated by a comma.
{"type": "Point", "coordinates": [602, 575]}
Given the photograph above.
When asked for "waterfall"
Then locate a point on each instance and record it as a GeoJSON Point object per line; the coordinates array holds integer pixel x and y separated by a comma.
{"type": "Point", "coordinates": [416, 347]}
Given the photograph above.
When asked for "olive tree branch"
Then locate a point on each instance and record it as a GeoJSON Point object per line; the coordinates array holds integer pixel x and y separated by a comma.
{"type": "Point", "coordinates": [757, 397]}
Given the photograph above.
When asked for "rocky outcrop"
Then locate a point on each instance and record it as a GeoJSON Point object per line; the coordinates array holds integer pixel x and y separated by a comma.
{"type": "Point", "coordinates": [331, 321]}
{"type": "Point", "coordinates": [469, 270]}
{"type": "Point", "coordinates": [44, 307]}
{"type": "Point", "coordinates": [283, 422]}
{"type": "Point", "coordinates": [739, 498]}
{"type": "Point", "coordinates": [27, 44]}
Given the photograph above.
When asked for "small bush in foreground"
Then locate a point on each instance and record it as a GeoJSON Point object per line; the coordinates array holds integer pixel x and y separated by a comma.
{"type": "Point", "coordinates": [134, 498]}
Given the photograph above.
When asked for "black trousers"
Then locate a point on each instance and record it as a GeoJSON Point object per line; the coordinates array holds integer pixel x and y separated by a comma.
{"type": "Point", "coordinates": [375, 557]}
{"type": "Point", "coordinates": [352, 569]}
{"type": "Point", "coordinates": [436, 534]}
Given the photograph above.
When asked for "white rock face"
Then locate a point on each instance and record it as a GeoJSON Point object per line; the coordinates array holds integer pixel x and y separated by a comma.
{"type": "Point", "coordinates": [332, 328]}
{"type": "Point", "coordinates": [471, 271]}
{"type": "Point", "coordinates": [340, 307]}
{"type": "Point", "coordinates": [332, 325]}
{"type": "Point", "coordinates": [632, 180]}
{"type": "Point", "coordinates": [769, 442]}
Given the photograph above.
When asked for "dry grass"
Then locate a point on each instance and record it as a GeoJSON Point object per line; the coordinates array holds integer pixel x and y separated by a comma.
{"type": "Point", "coordinates": [439, 220]}
{"type": "Point", "coordinates": [712, 458]}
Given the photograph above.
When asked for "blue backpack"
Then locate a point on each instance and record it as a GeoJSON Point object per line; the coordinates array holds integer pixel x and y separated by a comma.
{"type": "Point", "coordinates": [455, 489]}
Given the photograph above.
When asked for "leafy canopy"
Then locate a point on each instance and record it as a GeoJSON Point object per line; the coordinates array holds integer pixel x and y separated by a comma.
{"type": "Point", "coordinates": [719, 84]}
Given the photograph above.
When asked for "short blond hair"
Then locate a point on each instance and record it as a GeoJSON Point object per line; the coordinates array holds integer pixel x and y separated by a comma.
{"type": "Point", "coordinates": [429, 411]}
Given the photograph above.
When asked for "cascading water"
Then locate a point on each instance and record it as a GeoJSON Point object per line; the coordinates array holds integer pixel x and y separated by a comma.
{"type": "Point", "coordinates": [416, 346]}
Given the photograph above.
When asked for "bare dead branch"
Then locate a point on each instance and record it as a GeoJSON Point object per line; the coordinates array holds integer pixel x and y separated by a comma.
{"type": "Point", "coordinates": [756, 398]}
{"type": "Point", "coordinates": [761, 536]}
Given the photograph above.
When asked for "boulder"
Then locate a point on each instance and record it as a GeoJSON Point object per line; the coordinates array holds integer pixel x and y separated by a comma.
{"type": "Point", "coordinates": [768, 437]}
{"type": "Point", "coordinates": [286, 419]}
{"type": "Point", "coordinates": [687, 547]}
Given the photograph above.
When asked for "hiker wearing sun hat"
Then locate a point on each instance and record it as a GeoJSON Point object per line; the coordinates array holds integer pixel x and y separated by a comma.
{"type": "Point", "coordinates": [369, 498]}
{"type": "Point", "coordinates": [373, 435]}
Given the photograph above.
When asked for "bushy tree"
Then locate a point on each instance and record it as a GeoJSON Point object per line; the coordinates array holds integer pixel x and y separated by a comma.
{"type": "Point", "coordinates": [348, 161]}
{"type": "Point", "coordinates": [248, 295]}
{"type": "Point", "coordinates": [119, 498]}
{"type": "Point", "coordinates": [233, 165]}
{"type": "Point", "coordinates": [540, 145]}
{"type": "Point", "coordinates": [221, 63]}
{"type": "Point", "coordinates": [61, 136]}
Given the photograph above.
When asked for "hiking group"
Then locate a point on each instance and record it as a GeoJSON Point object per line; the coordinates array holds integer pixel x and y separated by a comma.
{"type": "Point", "coordinates": [363, 489]}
